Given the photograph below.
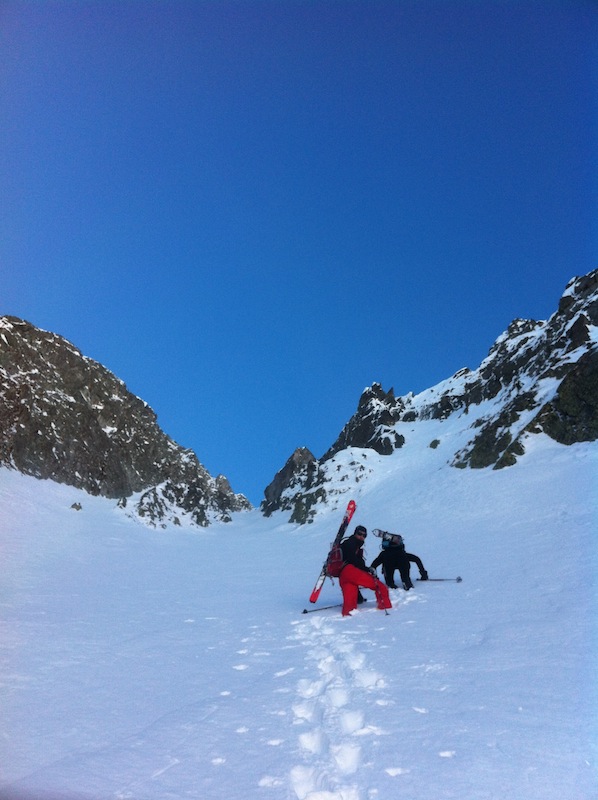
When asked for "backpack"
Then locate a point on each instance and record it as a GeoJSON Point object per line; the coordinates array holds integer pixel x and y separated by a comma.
{"type": "Point", "coordinates": [393, 540]}
{"type": "Point", "coordinates": [335, 561]}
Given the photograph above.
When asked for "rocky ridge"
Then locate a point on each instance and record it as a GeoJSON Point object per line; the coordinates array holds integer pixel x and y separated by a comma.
{"type": "Point", "coordinates": [65, 417]}
{"type": "Point", "coordinates": [538, 377]}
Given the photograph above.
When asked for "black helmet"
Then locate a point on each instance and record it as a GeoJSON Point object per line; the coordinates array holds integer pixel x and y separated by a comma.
{"type": "Point", "coordinates": [360, 531]}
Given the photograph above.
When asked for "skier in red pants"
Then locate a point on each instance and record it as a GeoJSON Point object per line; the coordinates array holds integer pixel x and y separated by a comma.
{"type": "Point", "coordinates": [355, 574]}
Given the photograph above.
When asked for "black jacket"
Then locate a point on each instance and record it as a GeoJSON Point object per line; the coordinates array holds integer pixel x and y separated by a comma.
{"type": "Point", "coordinates": [396, 558]}
{"type": "Point", "coordinates": [352, 548]}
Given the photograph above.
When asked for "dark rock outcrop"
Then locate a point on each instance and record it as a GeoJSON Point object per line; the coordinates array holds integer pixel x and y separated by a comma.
{"type": "Point", "coordinates": [291, 488]}
{"type": "Point", "coordinates": [69, 419]}
{"type": "Point", "coordinates": [372, 425]}
{"type": "Point", "coordinates": [572, 415]}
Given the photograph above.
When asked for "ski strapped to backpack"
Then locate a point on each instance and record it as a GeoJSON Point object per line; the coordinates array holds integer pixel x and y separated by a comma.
{"type": "Point", "coordinates": [332, 560]}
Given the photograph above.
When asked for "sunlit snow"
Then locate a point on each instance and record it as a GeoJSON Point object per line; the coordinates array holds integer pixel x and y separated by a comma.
{"type": "Point", "coordinates": [152, 665]}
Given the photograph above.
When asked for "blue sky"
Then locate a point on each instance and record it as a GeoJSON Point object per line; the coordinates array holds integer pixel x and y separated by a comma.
{"type": "Point", "coordinates": [250, 211]}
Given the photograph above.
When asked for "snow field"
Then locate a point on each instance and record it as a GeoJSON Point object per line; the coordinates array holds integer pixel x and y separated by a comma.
{"type": "Point", "coordinates": [152, 665]}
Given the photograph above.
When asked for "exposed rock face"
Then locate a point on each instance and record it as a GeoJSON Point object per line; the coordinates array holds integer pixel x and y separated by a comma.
{"type": "Point", "coordinates": [300, 473]}
{"type": "Point", "coordinates": [572, 415]}
{"type": "Point", "coordinates": [537, 377]}
{"type": "Point", "coordinates": [544, 376]}
{"type": "Point", "coordinates": [373, 423]}
{"type": "Point", "coordinates": [67, 418]}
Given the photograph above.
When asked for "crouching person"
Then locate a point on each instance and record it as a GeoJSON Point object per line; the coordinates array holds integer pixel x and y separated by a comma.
{"type": "Point", "coordinates": [393, 557]}
{"type": "Point", "coordinates": [355, 574]}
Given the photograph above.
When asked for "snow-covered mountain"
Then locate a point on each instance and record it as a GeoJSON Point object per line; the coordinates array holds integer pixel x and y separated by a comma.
{"type": "Point", "coordinates": [68, 418]}
{"type": "Point", "coordinates": [538, 377]}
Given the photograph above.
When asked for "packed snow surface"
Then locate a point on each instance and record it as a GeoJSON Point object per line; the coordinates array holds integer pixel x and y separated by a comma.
{"type": "Point", "coordinates": [151, 665]}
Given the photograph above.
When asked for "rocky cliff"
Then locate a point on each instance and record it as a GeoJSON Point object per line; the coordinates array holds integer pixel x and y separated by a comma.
{"type": "Point", "coordinates": [67, 418]}
{"type": "Point", "coordinates": [538, 377]}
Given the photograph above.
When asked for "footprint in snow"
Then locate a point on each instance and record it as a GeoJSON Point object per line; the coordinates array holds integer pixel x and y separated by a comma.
{"type": "Point", "coordinates": [351, 721]}
{"type": "Point", "coordinates": [313, 741]}
{"type": "Point", "coordinates": [337, 696]}
{"type": "Point", "coordinates": [347, 757]}
{"type": "Point", "coordinates": [306, 711]}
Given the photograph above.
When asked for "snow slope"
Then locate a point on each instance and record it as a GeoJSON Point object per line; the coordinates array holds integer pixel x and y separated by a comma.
{"type": "Point", "coordinates": [153, 665]}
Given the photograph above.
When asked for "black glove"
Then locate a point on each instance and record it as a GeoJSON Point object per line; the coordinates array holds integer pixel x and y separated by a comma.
{"type": "Point", "coordinates": [424, 576]}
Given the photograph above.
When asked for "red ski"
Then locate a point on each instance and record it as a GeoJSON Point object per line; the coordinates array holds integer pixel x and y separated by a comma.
{"type": "Point", "coordinates": [341, 532]}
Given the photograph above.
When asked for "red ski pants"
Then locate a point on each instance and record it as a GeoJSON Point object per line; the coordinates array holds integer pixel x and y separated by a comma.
{"type": "Point", "coordinates": [351, 578]}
